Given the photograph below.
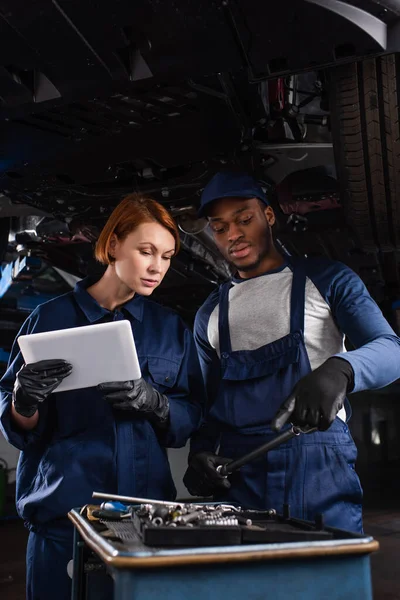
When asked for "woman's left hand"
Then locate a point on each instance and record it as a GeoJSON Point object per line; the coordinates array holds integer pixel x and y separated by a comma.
{"type": "Point", "coordinates": [137, 396]}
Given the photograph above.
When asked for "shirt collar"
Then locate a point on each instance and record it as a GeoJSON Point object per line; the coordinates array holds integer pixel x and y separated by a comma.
{"type": "Point", "coordinates": [236, 279]}
{"type": "Point", "coordinates": [92, 309]}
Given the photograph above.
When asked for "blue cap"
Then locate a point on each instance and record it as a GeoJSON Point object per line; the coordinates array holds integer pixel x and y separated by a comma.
{"type": "Point", "coordinates": [227, 184]}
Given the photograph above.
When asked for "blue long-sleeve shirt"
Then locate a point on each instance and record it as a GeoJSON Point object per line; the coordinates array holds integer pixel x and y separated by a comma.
{"type": "Point", "coordinates": [80, 444]}
{"type": "Point", "coordinates": [337, 305]}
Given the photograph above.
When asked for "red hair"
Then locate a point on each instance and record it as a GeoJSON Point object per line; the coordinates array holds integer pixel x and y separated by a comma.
{"type": "Point", "coordinates": [131, 212]}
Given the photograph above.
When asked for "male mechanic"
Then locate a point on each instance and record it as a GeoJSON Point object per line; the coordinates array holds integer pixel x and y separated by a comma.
{"type": "Point", "coordinates": [271, 345]}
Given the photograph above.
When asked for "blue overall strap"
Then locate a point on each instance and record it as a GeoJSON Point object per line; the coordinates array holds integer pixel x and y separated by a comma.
{"type": "Point", "coordinates": [297, 298]}
{"type": "Point", "coordinates": [225, 345]}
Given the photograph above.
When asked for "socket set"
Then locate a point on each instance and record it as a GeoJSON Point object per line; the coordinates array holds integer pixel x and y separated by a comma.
{"type": "Point", "coordinates": [219, 525]}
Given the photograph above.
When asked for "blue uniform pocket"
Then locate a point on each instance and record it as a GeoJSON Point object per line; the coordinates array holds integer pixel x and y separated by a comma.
{"type": "Point", "coordinates": [265, 361]}
{"type": "Point", "coordinates": [254, 384]}
{"type": "Point", "coordinates": [163, 372]}
{"type": "Point", "coordinates": [331, 485]}
{"type": "Point", "coordinates": [347, 456]}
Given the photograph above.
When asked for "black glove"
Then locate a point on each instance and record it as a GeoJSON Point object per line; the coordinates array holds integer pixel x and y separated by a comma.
{"type": "Point", "coordinates": [202, 478]}
{"type": "Point", "coordinates": [137, 396]}
{"type": "Point", "coordinates": [317, 398]}
{"type": "Point", "coordinates": [36, 381]}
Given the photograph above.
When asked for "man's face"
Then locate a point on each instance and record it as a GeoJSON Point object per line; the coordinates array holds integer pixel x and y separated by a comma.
{"type": "Point", "coordinates": [242, 231]}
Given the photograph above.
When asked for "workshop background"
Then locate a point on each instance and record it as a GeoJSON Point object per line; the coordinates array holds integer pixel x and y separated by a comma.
{"type": "Point", "coordinates": [98, 99]}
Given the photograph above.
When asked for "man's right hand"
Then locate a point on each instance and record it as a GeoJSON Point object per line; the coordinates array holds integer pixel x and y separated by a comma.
{"type": "Point", "coordinates": [35, 382]}
{"type": "Point", "coordinates": [202, 478]}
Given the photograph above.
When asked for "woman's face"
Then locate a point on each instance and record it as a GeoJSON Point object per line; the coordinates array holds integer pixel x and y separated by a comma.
{"type": "Point", "coordinates": [143, 257]}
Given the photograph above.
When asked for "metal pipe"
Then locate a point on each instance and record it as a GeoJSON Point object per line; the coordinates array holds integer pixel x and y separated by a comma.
{"type": "Point", "coordinates": [133, 499]}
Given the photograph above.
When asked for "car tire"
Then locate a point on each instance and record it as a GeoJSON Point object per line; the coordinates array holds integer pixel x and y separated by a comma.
{"type": "Point", "coordinates": [364, 106]}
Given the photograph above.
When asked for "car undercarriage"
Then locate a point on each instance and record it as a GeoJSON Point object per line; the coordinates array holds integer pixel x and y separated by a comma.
{"type": "Point", "coordinates": [102, 99]}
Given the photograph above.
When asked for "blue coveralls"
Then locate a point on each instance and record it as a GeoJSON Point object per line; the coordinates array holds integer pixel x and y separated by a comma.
{"type": "Point", "coordinates": [81, 445]}
{"type": "Point", "coordinates": [312, 473]}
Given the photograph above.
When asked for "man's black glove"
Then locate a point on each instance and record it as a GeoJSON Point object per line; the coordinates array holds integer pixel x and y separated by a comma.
{"type": "Point", "coordinates": [36, 381]}
{"type": "Point", "coordinates": [202, 478]}
{"type": "Point", "coordinates": [137, 396]}
{"type": "Point", "coordinates": [317, 398]}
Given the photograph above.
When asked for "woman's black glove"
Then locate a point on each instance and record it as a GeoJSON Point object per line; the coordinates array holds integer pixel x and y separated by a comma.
{"type": "Point", "coordinates": [35, 382]}
{"type": "Point", "coordinates": [317, 398]}
{"type": "Point", "coordinates": [137, 396]}
{"type": "Point", "coordinates": [202, 478]}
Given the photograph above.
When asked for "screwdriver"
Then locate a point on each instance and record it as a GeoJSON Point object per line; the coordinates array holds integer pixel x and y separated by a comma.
{"type": "Point", "coordinates": [117, 506]}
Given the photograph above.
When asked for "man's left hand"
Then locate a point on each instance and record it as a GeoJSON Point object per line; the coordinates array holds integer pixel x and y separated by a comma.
{"type": "Point", "coordinates": [317, 398]}
{"type": "Point", "coordinates": [137, 396]}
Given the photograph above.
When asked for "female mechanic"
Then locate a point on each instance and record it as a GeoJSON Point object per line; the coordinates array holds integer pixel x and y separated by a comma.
{"type": "Point", "coordinates": [112, 438]}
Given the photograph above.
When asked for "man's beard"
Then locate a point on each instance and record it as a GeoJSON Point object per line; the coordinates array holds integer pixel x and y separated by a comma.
{"type": "Point", "coordinates": [257, 262]}
{"type": "Point", "coordinates": [254, 265]}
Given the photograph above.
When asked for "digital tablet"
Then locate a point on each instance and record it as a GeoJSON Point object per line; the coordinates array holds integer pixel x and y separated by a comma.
{"type": "Point", "coordinates": [97, 353]}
